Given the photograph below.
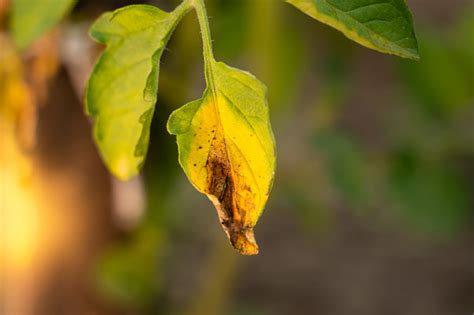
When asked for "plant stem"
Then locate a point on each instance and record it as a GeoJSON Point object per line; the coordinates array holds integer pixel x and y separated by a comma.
{"type": "Point", "coordinates": [206, 40]}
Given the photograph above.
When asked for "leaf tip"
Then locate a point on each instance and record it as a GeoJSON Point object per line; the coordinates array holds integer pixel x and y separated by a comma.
{"type": "Point", "coordinates": [409, 53]}
{"type": "Point", "coordinates": [416, 56]}
{"type": "Point", "coordinates": [244, 241]}
{"type": "Point", "coordinates": [122, 169]}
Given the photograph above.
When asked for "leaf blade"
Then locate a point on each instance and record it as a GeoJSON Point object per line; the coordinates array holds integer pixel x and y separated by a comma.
{"type": "Point", "coordinates": [227, 150]}
{"type": "Point", "coordinates": [122, 89]}
{"type": "Point", "coordinates": [381, 25]}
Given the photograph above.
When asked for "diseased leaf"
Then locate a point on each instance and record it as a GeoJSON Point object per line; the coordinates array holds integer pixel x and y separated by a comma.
{"type": "Point", "coordinates": [31, 19]}
{"type": "Point", "coordinates": [382, 25]}
{"type": "Point", "coordinates": [122, 90]}
{"type": "Point", "coordinates": [227, 149]}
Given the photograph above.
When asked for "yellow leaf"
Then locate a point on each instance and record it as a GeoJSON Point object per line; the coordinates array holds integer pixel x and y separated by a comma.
{"type": "Point", "coordinates": [227, 150]}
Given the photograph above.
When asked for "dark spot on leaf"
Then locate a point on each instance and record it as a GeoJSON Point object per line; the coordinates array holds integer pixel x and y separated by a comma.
{"type": "Point", "coordinates": [221, 185]}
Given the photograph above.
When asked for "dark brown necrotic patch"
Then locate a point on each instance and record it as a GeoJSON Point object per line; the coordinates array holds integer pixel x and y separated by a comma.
{"type": "Point", "coordinates": [222, 186]}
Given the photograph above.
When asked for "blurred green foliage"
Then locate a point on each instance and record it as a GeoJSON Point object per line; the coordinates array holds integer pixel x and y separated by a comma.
{"type": "Point", "coordinates": [442, 83]}
{"type": "Point", "coordinates": [128, 274]}
{"type": "Point", "coordinates": [346, 165]}
{"type": "Point", "coordinates": [414, 180]}
{"type": "Point", "coordinates": [31, 19]}
{"type": "Point", "coordinates": [432, 197]}
{"type": "Point", "coordinates": [417, 176]}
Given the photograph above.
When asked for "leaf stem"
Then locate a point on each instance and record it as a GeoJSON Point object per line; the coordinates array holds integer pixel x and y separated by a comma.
{"type": "Point", "coordinates": [206, 39]}
{"type": "Point", "coordinates": [181, 10]}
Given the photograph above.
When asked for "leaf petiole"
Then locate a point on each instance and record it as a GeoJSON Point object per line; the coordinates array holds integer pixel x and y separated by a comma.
{"type": "Point", "coordinates": [180, 11]}
{"type": "Point", "coordinates": [209, 60]}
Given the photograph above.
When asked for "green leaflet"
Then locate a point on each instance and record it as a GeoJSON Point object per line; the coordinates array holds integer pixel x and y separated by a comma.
{"type": "Point", "coordinates": [227, 149]}
{"type": "Point", "coordinates": [122, 90]}
{"type": "Point", "coordinates": [30, 19]}
{"type": "Point", "coordinates": [382, 25]}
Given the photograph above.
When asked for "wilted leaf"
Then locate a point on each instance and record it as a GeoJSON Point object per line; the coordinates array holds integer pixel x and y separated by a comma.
{"type": "Point", "coordinates": [227, 150]}
{"type": "Point", "coordinates": [122, 89]}
{"type": "Point", "coordinates": [31, 19]}
{"type": "Point", "coordinates": [382, 25]}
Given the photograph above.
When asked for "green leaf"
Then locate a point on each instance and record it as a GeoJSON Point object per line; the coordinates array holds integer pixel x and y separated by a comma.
{"type": "Point", "coordinates": [122, 90]}
{"type": "Point", "coordinates": [382, 25]}
{"type": "Point", "coordinates": [227, 149]}
{"type": "Point", "coordinates": [31, 19]}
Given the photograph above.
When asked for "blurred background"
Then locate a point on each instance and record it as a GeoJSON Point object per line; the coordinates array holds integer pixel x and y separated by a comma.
{"type": "Point", "coordinates": [372, 210]}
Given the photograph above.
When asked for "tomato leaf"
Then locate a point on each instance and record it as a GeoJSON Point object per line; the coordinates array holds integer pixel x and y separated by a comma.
{"type": "Point", "coordinates": [122, 90]}
{"type": "Point", "coordinates": [31, 19]}
{"type": "Point", "coordinates": [382, 25]}
{"type": "Point", "coordinates": [227, 149]}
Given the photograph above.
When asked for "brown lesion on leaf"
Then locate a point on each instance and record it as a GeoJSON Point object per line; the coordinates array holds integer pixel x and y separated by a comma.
{"type": "Point", "coordinates": [223, 191]}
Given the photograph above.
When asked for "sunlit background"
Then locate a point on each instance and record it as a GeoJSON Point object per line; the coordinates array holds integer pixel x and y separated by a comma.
{"type": "Point", "coordinates": [372, 210]}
